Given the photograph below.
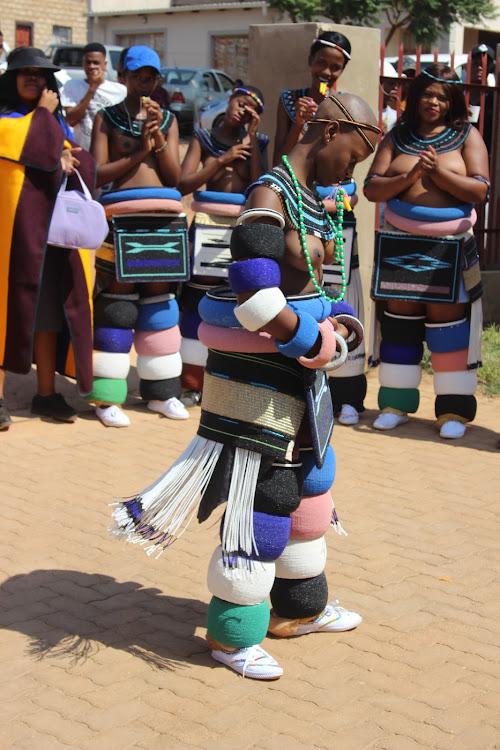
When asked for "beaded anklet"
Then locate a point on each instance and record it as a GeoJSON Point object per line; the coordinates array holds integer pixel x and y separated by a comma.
{"type": "Point", "coordinates": [336, 226]}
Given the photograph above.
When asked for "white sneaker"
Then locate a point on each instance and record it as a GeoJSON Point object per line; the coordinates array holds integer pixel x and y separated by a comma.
{"type": "Point", "coordinates": [333, 619]}
{"type": "Point", "coordinates": [388, 421]}
{"type": "Point", "coordinates": [171, 408]}
{"type": "Point", "coordinates": [348, 415]}
{"type": "Point", "coordinates": [250, 662]}
{"type": "Point", "coordinates": [452, 430]}
{"type": "Point", "coordinates": [112, 416]}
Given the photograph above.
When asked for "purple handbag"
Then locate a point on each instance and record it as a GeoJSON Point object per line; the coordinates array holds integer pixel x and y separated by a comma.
{"type": "Point", "coordinates": [77, 221]}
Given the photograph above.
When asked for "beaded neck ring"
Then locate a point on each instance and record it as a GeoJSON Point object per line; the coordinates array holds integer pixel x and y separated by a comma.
{"type": "Point", "coordinates": [336, 226]}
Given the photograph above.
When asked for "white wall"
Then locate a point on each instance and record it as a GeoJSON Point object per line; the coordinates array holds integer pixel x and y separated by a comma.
{"type": "Point", "coordinates": [188, 35]}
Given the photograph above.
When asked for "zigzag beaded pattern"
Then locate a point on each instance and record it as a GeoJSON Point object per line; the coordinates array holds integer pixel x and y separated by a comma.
{"type": "Point", "coordinates": [118, 119]}
{"type": "Point", "coordinates": [214, 147]}
{"type": "Point", "coordinates": [288, 99]}
{"type": "Point", "coordinates": [315, 216]}
{"type": "Point", "coordinates": [409, 142]}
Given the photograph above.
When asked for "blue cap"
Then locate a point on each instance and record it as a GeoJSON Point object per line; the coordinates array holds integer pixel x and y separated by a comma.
{"type": "Point", "coordinates": [141, 57]}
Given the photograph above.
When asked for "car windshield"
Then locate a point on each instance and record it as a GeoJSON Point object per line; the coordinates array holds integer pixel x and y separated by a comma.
{"type": "Point", "coordinates": [177, 76]}
{"type": "Point", "coordinates": [115, 57]}
{"type": "Point", "coordinates": [69, 58]}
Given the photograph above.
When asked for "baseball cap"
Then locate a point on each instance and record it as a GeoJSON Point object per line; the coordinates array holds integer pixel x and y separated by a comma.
{"type": "Point", "coordinates": [409, 63]}
{"type": "Point", "coordinates": [141, 56]}
{"type": "Point", "coordinates": [480, 49]}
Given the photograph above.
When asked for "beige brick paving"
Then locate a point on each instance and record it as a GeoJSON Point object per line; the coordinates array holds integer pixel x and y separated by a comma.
{"type": "Point", "coordinates": [102, 648]}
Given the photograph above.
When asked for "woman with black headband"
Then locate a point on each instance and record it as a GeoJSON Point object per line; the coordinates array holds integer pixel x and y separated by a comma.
{"type": "Point", "coordinates": [430, 169]}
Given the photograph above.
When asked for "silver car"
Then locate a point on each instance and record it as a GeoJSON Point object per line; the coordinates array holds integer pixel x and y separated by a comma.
{"type": "Point", "coordinates": [189, 88]}
{"type": "Point", "coordinates": [69, 57]}
{"type": "Point", "coordinates": [211, 114]}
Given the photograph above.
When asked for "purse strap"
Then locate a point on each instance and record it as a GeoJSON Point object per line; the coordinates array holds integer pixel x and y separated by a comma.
{"type": "Point", "coordinates": [85, 189]}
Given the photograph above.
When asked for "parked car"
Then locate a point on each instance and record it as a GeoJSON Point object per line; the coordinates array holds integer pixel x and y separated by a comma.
{"type": "Point", "coordinates": [459, 62]}
{"type": "Point", "coordinates": [211, 114]}
{"type": "Point", "coordinates": [190, 88]}
{"type": "Point", "coordinates": [69, 57]}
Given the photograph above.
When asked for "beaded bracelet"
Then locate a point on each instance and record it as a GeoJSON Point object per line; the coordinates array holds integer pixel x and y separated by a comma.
{"type": "Point", "coordinates": [367, 181]}
{"type": "Point", "coordinates": [485, 180]}
{"type": "Point", "coordinates": [162, 148]}
{"type": "Point", "coordinates": [260, 308]}
{"type": "Point", "coordinates": [303, 339]}
{"type": "Point", "coordinates": [255, 273]}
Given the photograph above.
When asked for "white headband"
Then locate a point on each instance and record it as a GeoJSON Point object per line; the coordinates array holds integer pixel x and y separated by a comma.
{"type": "Point", "coordinates": [335, 46]}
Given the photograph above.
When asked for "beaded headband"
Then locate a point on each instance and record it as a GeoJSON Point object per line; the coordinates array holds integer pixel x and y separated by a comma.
{"type": "Point", "coordinates": [254, 97]}
{"type": "Point", "coordinates": [439, 80]}
{"type": "Point", "coordinates": [335, 46]}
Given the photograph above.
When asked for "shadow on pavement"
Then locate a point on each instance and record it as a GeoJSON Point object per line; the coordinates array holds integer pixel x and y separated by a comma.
{"type": "Point", "coordinates": [476, 437]}
{"type": "Point", "coordinates": [70, 614]}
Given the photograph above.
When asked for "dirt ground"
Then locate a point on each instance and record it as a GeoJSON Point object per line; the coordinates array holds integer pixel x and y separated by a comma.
{"type": "Point", "coordinates": [103, 647]}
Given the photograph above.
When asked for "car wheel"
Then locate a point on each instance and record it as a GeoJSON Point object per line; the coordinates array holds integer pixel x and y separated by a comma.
{"type": "Point", "coordinates": [218, 120]}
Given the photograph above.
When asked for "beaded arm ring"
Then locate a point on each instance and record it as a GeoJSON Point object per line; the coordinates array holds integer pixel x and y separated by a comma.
{"type": "Point", "coordinates": [480, 178]}
{"type": "Point", "coordinates": [336, 226]}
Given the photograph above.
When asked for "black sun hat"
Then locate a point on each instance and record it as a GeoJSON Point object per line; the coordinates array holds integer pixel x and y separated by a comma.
{"type": "Point", "coordinates": [29, 57]}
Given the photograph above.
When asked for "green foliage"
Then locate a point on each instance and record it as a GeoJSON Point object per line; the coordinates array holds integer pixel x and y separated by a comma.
{"type": "Point", "coordinates": [426, 20]}
{"type": "Point", "coordinates": [355, 13]}
{"type": "Point", "coordinates": [298, 10]}
{"type": "Point", "coordinates": [489, 373]}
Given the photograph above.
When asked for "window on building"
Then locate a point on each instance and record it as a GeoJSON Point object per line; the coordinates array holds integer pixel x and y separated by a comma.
{"type": "Point", "coordinates": [24, 34]}
{"type": "Point", "coordinates": [230, 53]}
{"type": "Point", "coordinates": [156, 40]}
{"type": "Point", "coordinates": [61, 35]}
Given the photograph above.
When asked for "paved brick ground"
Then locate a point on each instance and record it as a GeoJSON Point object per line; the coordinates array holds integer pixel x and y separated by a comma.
{"type": "Point", "coordinates": [102, 648]}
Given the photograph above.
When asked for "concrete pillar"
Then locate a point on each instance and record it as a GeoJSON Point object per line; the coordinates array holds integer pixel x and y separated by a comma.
{"type": "Point", "coordinates": [278, 59]}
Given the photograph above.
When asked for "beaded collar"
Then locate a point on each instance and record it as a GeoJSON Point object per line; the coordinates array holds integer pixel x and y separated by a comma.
{"type": "Point", "coordinates": [289, 97]}
{"type": "Point", "coordinates": [409, 142]}
{"type": "Point", "coordinates": [315, 216]}
{"type": "Point", "coordinates": [117, 118]}
{"type": "Point", "coordinates": [214, 147]}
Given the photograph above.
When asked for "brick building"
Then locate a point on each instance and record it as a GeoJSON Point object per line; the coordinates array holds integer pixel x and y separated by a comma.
{"type": "Point", "coordinates": [35, 23]}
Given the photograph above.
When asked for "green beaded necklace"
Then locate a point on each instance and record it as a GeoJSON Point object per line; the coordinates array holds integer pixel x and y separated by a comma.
{"type": "Point", "coordinates": [336, 226]}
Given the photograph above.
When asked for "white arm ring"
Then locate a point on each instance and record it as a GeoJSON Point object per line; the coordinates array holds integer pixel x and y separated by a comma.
{"type": "Point", "coordinates": [261, 308]}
